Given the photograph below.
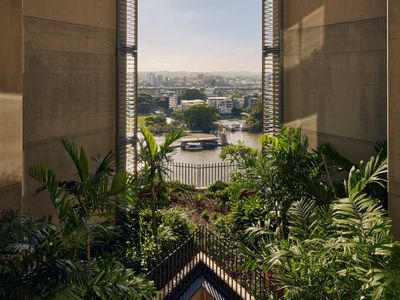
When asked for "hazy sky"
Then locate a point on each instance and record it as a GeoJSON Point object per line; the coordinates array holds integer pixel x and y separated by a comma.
{"type": "Point", "coordinates": [200, 35]}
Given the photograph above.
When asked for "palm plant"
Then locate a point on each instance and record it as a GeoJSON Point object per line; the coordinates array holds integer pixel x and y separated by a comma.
{"type": "Point", "coordinates": [279, 174]}
{"type": "Point", "coordinates": [79, 202]}
{"type": "Point", "coordinates": [41, 260]}
{"type": "Point", "coordinates": [154, 159]}
{"type": "Point", "coordinates": [341, 251]}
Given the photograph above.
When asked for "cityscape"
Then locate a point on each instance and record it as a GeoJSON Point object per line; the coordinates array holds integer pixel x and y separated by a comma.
{"type": "Point", "coordinates": [225, 105]}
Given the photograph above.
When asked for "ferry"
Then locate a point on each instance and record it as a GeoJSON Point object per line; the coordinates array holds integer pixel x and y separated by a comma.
{"type": "Point", "coordinates": [199, 141]}
{"type": "Point", "coordinates": [193, 146]}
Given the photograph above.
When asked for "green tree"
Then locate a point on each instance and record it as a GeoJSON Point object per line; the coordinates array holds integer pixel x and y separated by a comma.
{"type": "Point", "coordinates": [254, 121]}
{"type": "Point", "coordinates": [163, 103]}
{"type": "Point", "coordinates": [200, 117]}
{"type": "Point", "coordinates": [145, 103]}
{"type": "Point", "coordinates": [192, 94]}
{"type": "Point", "coordinates": [156, 120]}
{"type": "Point", "coordinates": [236, 111]}
{"type": "Point", "coordinates": [236, 95]}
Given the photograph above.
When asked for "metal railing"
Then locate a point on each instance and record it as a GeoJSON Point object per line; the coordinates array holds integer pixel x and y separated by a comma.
{"type": "Point", "coordinates": [174, 273]}
{"type": "Point", "coordinates": [200, 175]}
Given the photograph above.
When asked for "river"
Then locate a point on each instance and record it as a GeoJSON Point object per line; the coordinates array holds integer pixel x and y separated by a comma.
{"type": "Point", "coordinates": [212, 156]}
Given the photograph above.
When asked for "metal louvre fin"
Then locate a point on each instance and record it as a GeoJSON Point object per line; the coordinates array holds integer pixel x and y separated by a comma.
{"type": "Point", "coordinates": [127, 79]}
{"type": "Point", "coordinates": [272, 66]}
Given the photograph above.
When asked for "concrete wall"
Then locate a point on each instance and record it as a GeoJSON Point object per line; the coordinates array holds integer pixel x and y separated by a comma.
{"type": "Point", "coordinates": [68, 85]}
{"type": "Point", "coordinates": [335, 72]}
{"type": "Point", "coordinates": [394, 114]}
{"type": "Point", "coordinates": [10, 103]}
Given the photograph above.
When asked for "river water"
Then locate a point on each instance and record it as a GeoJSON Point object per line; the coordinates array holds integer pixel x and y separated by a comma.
{"type": "Point", "coordinates": [212, 156]}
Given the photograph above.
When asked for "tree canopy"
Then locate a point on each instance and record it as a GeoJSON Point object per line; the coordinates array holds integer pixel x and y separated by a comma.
{"type": "Point", "coordinates": [192, 94]}
{"type": "Point", "coordinates": [200, 117]}
{"type": "Point", "coordinates": [254, 121]}
{"type": "Point", "coordinates": [145, 103]}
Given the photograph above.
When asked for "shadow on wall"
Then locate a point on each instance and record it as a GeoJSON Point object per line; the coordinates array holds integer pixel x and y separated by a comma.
{"type": "Point", "coordinates": [335, 72]}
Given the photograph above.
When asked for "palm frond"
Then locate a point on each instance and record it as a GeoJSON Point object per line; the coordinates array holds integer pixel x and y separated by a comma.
{"type": "Point", "coordinates": [78, 157]}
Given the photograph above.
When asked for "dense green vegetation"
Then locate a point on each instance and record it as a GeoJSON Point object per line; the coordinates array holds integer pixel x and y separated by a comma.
{"type": "Point", "coordinates": [158, 124]}
{"type": "Point", "coordinates": [106, 238]}
{"type": "Point", "coordinates": [200, 117]}
{"type": "Point", "coordinates": [192, 94]}
{"type": "Point", "coordinates": [318, 236]}
{"type": "Point", "coordinates": [312, 220]}
{"type": "Point", "coordinates": [148, 104]}
{"type": "Point", "coordinates": [255, 118]}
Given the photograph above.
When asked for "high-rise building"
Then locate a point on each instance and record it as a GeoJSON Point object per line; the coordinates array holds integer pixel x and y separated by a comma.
{"type": "Point", "coordinates": [151, 79]}
{"type": "Point", "coordinates": [160, 80]}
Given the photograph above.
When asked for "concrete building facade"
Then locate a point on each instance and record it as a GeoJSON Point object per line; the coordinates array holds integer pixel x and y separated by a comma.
{"type": "Point", "coordinates": [335, 72]}
{"type": "Point", "coordinates": [223, 105]}
{"type": "Point", "coordinates": [10, 104]}
{"type": "Point", "coordinates": [186, 104]}
{"type": "Point", "coordinates": [394, 112]}
{"type": "Point", "coordinates": [59, 82]}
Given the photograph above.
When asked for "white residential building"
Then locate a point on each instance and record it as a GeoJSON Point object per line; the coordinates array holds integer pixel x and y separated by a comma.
{"type": "Point", "coordinates": [209, 92]}
{"type": "Point", "coordinates": [223, 105]}
{"type": "Point", "coordinates": [186, 104]}
{"type": "Point", "coordinates": [173, 102]}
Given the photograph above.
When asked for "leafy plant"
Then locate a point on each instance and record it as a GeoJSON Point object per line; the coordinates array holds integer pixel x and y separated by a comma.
{"type": "Point", "coordinates": [342, 250]}
{"type": "Point", "coordinates": [70, 260]}
{"type": "Point", "coordinates": [172, 228]}
{"type": "Point", "coordinates": [106, 280]}
{"type": "Point", "coordinates": [78, 202]}
{"type": "Point", "coordinates": [154, 158]}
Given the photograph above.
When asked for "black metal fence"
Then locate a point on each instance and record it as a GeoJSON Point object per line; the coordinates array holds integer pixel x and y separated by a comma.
{"type": "Point", "coordinates": [200, 175]}
{"type": "Point", "coordinates": [219, 255]}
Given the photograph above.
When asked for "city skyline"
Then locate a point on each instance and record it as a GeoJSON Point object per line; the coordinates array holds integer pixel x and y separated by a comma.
{"type": "Point", "coordinates": [211, 36]}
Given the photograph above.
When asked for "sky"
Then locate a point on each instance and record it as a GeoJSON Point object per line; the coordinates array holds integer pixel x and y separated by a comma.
{"type": "Point", "coordinates": [199, 35]}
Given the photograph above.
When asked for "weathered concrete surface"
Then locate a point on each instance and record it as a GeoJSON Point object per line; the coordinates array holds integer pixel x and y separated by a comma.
{"type": "Point", "coordinates": [335, 72]}
{"type": "Point", "coordinates": [10, 104]}
{"type": "Point", "coordinates": [68, 85]}
{"type": "Point", "coordinates": [394, 114]}
{"type": "Point", "coordinates": [94, 13]}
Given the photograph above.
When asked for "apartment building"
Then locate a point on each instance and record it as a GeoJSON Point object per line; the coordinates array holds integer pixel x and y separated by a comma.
{"type": "Point", "coordinates": [186, 104]}
{"type": "Point", "coordinates": [223, 105]}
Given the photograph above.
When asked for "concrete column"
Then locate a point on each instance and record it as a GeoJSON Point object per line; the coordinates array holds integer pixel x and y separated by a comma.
{"type": "Point", "coordinates": [335, 72]}
{"type": "Point", "coordinates": [394, 114]}
{"type": "Point", "coordinates": [10, 104]}
{"type": "Point", "coordinates": [69, 86]}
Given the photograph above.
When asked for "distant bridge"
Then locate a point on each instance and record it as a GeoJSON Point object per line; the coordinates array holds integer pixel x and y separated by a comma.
{"type": "Point", "coordinates": [157, 91]}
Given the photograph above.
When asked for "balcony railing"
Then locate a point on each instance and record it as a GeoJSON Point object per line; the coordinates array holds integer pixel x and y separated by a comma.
{"type": "Point", "coordinates": [205, 249]}
{"type": "Point", "coordinates": [200, 175]}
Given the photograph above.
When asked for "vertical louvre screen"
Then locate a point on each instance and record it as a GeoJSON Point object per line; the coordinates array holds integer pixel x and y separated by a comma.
{"type": "Point", "coordinates": [127, 85]}
{"type": "Point", "coordinates": [272, 66]}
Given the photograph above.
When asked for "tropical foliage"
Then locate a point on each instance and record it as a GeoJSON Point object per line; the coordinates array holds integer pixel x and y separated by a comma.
{"type": "Point", "coordinates": [314, 221]}
{"type": "Point", "coordinates": [154, 159]}
{"type": "Point", "coordinates": [71, 258]}
{"type": "Point", "coordinates": [318, 236]}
